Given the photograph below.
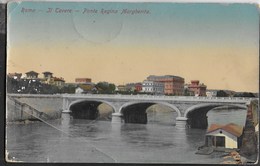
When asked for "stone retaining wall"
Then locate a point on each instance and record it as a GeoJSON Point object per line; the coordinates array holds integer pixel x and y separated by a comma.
{"type": "Point", "coordinates": [51, 106]}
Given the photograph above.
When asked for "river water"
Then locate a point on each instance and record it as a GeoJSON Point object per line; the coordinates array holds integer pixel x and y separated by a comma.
{"type": "Point", "coordinates": [84, 141]}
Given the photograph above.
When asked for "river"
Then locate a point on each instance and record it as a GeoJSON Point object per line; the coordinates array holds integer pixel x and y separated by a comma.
{"type": "Point", "coordinates": [84, 141]}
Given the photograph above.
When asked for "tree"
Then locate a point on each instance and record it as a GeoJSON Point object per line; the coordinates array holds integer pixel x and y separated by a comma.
{"type": "Point", "coordinates": [221, 93]}
{"type": "Point", "coordinates": [244, 94]}
{"type": "Point", "coordinates": [186, 92]}
{"type": "Point", "coordinates": [106, 88]}
{"type": "Point", "coordinates": [68, 89]}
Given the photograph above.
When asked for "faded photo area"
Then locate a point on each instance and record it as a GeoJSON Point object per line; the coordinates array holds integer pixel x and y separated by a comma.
{"type": "Point", "coordinates": [117, 82]}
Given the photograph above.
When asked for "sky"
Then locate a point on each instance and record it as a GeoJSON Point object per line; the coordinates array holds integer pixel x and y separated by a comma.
{"type": "Point", "coordinates": [217, 44]}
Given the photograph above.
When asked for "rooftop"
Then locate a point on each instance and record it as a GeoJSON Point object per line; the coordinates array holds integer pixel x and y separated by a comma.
{"type": "Point", "coordinates": [47, 72]}
{"type": "Point", "coordinates": [58, 79]}
{"type": "Point", "coordinates": [166, 76]}
{"type": "Point", "coordinates": [231, 128]}
{"type": "Point", "coordinates": [31, 72]}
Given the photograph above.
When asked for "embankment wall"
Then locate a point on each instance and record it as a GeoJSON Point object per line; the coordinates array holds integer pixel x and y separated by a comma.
{"type": "Point", "coordinates": [50, 105]}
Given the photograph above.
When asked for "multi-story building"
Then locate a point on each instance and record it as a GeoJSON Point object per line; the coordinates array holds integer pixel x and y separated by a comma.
{"type": "Point", "coordinates": [153, 87]}
{"type": "Point", "coordinates": [82, 80]}
{"type": "Point", "coordinates": [211, 93]}
{"type": "Point", "coordinates": [47, 78]}
{"type": "Point", "coordinates": [58, 81]}
{"type": "Point", "coordinates": [173, 85]}
{"type": "Point", "coordinates": [197, 88]}
{"type": "Point", "coordinates": [47, 74]}
{"type": "Point", "coordinates": [32, 75]}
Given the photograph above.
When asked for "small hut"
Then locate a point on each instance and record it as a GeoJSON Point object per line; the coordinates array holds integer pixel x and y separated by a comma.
{"type": "Point", "coordinates": [225, 136]}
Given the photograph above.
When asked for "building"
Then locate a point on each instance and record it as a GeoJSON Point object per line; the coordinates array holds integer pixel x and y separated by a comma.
{"type": "Point", "coordinates": [47, 78]}
{"type": "Point", "coordinates": [224, 136]}
{"type": "Point", "coordinates": [173, 85]}
{"type": "Point", "coordinates": [122, 88]}
{"type": "Point", "coordinates": [58, 81]}
{"type": "Point", "coordinates": [138, 87]}
{"type": "Point", "coordinates": [82, 80]}
{"type": "Point", "coordinates": [47, 75]}
{"type": "Point", "coordinates": [16, 76]}
{"type": "Point", "coordinates": [134, 87]}
{"type": "Point", "coordinates": [153, 87]}
{"type": "Point", "coordinates": [197, 88]}
{"type": "Point", "coordinates": [32, 75]}
{"type": "Point", "coordinates": [211, 93]}
{"type": "Point", "coordinates": [187, 91]}
{"type": "Point", "coordinates": [85, 88]}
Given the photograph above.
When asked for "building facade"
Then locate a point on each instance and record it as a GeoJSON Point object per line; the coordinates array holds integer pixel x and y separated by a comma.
{"type": "Point", "coordinates": [58, 81]}
{"type": "Point", "coordinates": [47, 74]}
{"type": "Point", "coordinates": [173, 85]}
{"type": "Point", "coordinates": [32, 75]}
{"type": "Point", "coordinates": [197, 88]}
{"type": "Point", "coordinates": [138, 87]}
{"type": "Point", "coordinates": [153, 87]}
{"type": "Point", "coordinates": [47, 77]}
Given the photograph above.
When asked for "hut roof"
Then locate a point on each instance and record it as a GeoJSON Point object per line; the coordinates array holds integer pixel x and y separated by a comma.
{"type": "Point", "coordinates": [231, 128]}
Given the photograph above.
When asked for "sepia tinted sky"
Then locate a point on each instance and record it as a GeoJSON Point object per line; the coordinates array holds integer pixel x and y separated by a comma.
{"type": "Point", "coordinates": [217, 44]}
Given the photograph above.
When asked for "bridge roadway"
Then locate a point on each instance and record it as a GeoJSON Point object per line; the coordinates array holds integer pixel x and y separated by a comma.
{"type": "Point", "coordinates": [187, 107]}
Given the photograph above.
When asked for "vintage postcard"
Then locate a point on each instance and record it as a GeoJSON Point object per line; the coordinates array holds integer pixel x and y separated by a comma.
{"type": "Point", "coordinates": [132, 82]}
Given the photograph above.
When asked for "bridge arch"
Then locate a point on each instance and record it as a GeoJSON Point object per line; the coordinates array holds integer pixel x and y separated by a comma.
{"type": "Point", "coordinates": [133, 115]}
{"type": "Point", "coordinates": [215, 105]}
{"type": "Point", "coordinates": [197, 115]}
{"type": "Point", "coordinates": [87, 108]}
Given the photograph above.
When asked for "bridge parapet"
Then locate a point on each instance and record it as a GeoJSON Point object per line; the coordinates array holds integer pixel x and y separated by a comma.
{"type": "Point", "coordinates": [138, 97]}
{"type": "Point", "coordinates": [159, 97]}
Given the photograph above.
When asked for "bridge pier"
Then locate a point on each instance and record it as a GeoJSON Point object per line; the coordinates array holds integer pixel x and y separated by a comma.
{"type": "Point", "coordinates": [117, 117]}
{"type": "Point", "coordinates": [66, 111]}
{"type": "Point", "coordinates": [181, 122]}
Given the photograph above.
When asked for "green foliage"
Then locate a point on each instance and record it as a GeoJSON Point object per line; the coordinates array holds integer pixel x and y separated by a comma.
{"type": "Point", "coordinates": [221, 93]}
{"type": "Point", "coordinates": [30, 86]}
{"type": "Point", "coordinates": [244, 94]}
{"type": "Point", "coordinates": [105, 88]}
{"type": "Point", "coordinates": [68, 89]}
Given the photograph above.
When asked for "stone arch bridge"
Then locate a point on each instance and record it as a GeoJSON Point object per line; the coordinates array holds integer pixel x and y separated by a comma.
{"type": "Point", "coordinates": [132, 108]}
